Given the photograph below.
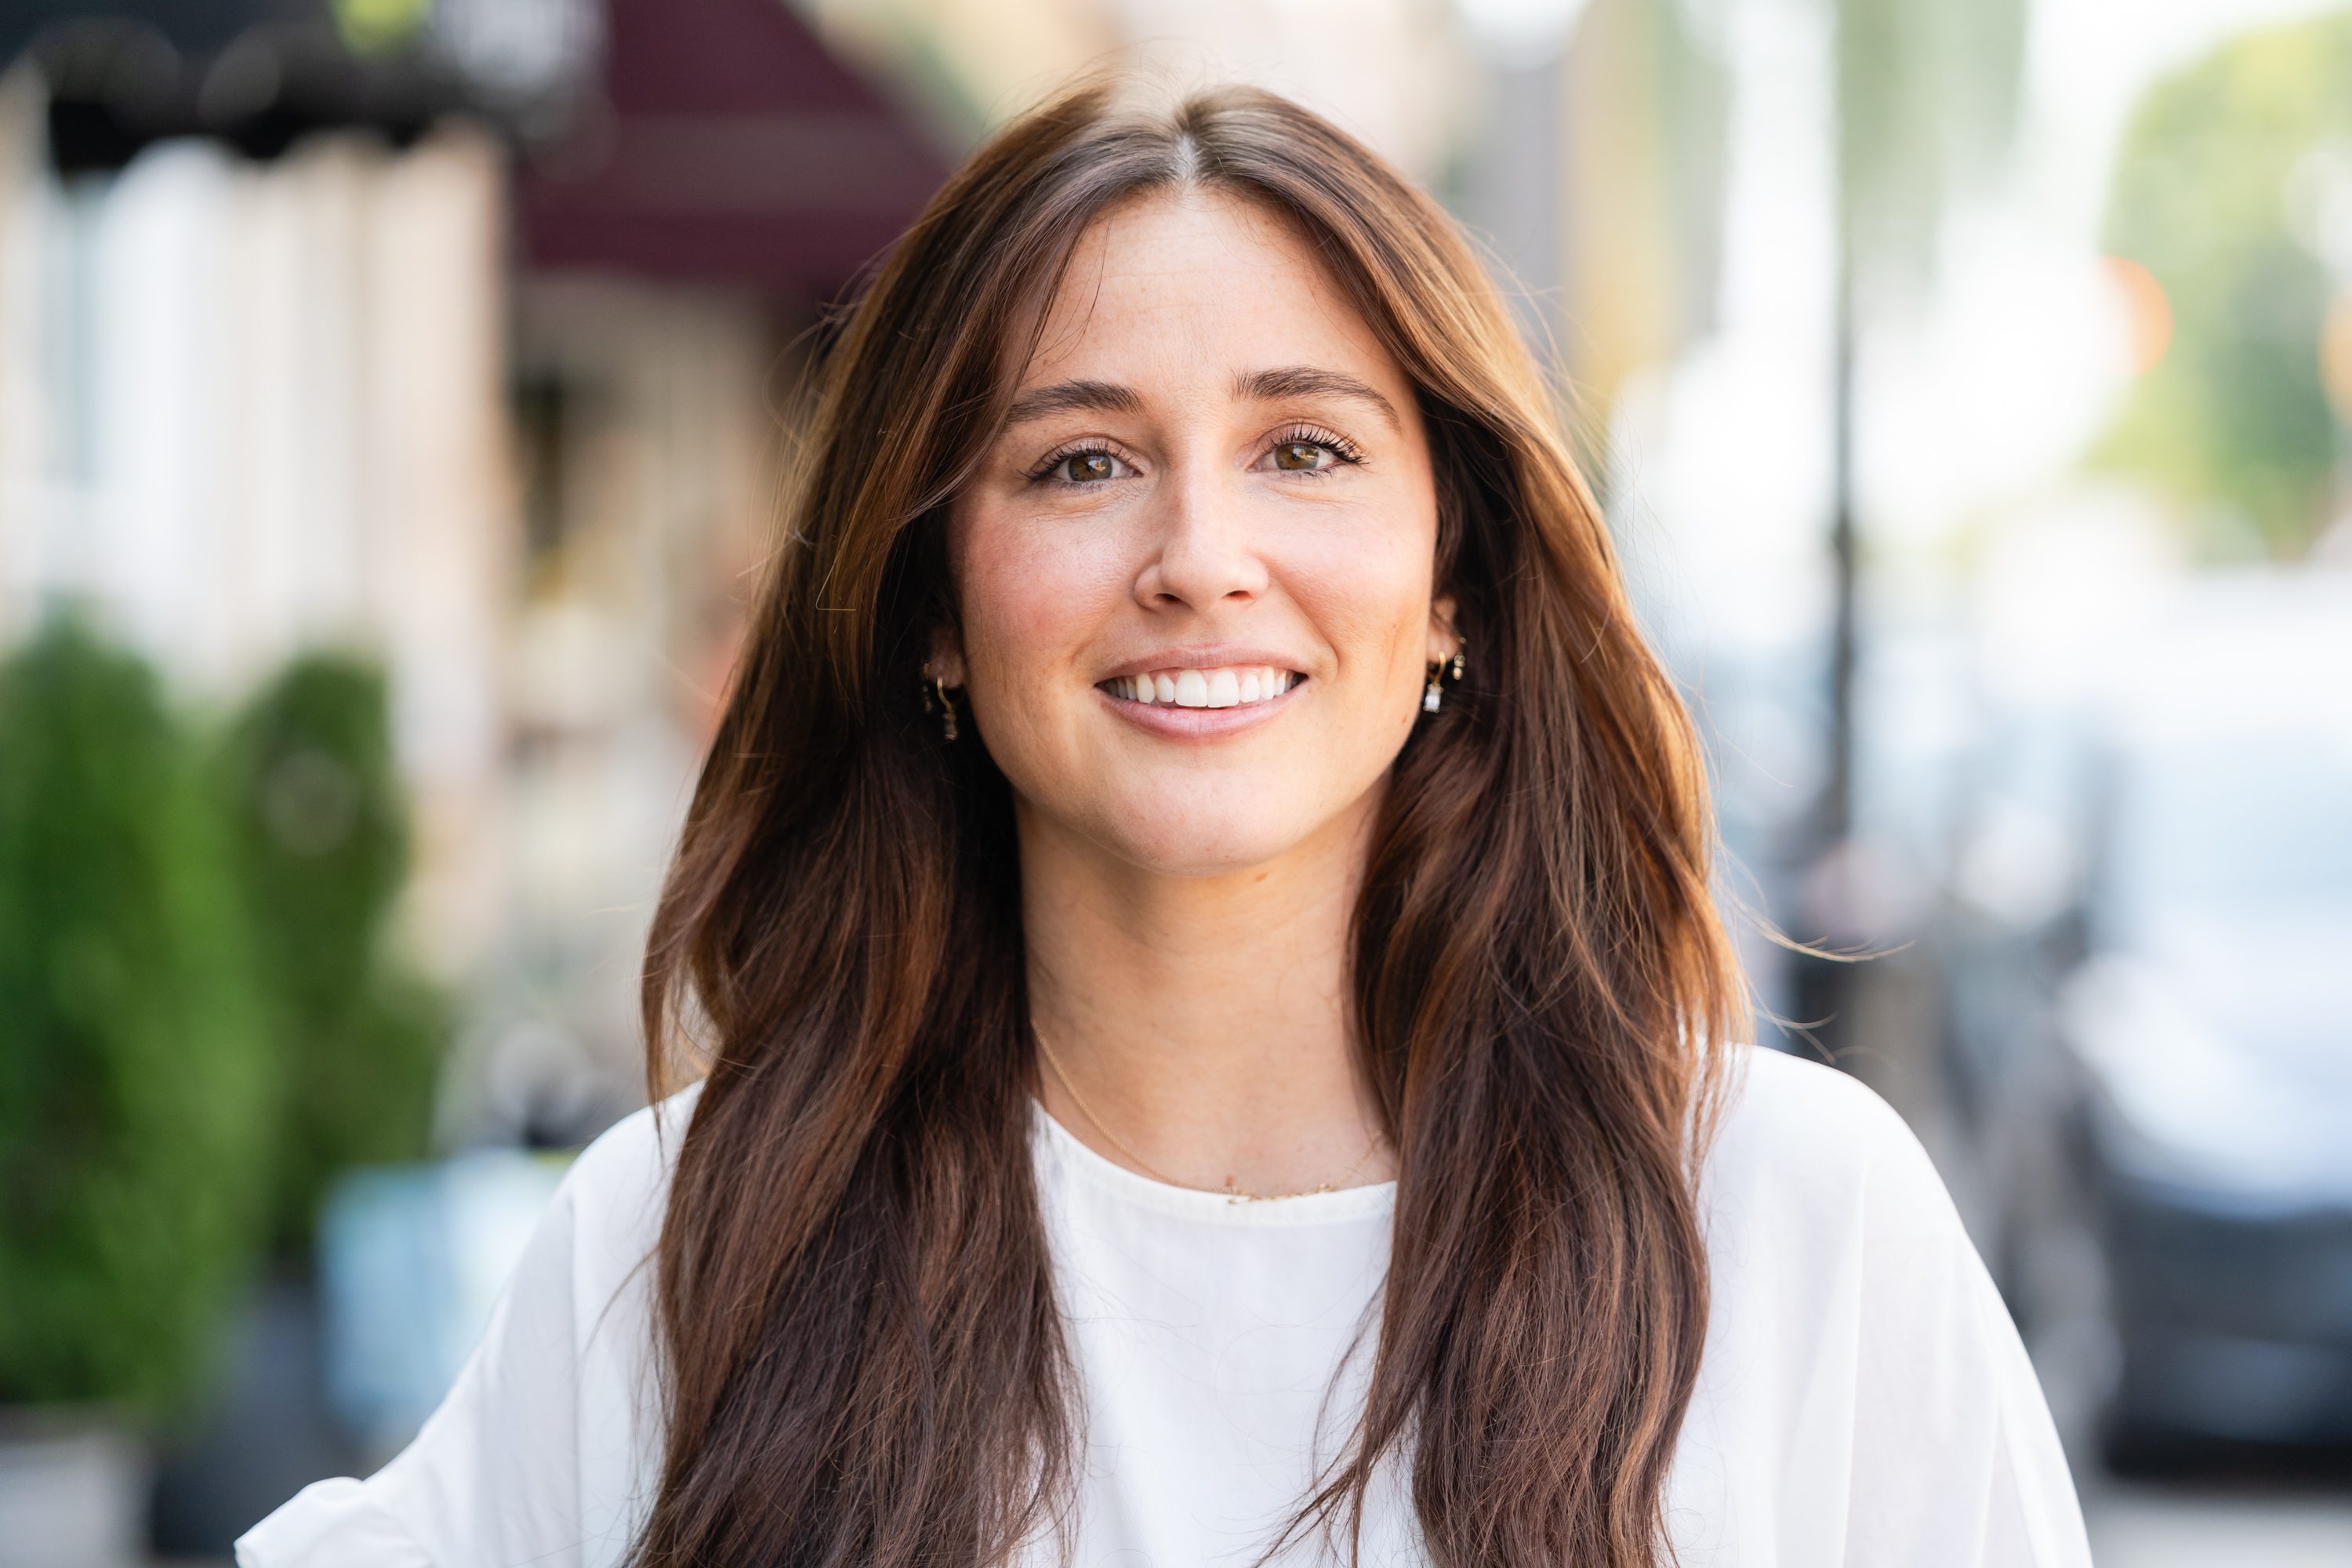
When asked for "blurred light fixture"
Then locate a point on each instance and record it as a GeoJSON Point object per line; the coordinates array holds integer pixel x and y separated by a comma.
{"type": "Point", "coordinates": [2148, 313]}
{"type": "Point", "coordinates": [369, 27]}
{"type": "Point", "coordinates": [2336, 357]}
{"type": "Point", "coordinates": [2018, 865]}
{"type": "Point", "coordinates": [1521, 32]}
{"type": "Point", "coordinates": [521, 50]}
{"type": "Point", "coordinates": [2318, 198]}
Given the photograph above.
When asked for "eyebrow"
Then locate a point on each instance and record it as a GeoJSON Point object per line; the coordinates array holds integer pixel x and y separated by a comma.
{"type": "Point", "coordinates": [1068, 396]}
{"type": "Point", "coordinates": [1307, 381]}
{"type": "Point", "coordinates": [1257, 386]}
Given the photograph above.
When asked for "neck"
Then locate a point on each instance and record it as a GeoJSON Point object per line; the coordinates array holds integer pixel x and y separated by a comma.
{"type": "Point", "coordinates": [1200, 1024]}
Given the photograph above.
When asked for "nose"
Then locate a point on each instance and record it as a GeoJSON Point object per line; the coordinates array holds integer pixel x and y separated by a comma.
{"type": "Point", "coordinates": [1204, 554]}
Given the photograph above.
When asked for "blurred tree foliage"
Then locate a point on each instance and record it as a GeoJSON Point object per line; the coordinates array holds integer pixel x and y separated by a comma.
{"type": "Point", "coordinates": [320, 835]}
{"type": "Point", "coordinates": [135, 1066]}
{"type": "Point", "coordinates": [1927, 100]}
{"type": "Point", "coordinates": [202, 1018]}
{"type": "Point", "coordinates": [2233, 189]}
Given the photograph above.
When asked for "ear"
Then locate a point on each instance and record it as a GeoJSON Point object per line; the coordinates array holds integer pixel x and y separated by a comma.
{"type": "Point", "coordinates": [946, 662]}
{"type": "Point", "coordinates": [1444, 642]}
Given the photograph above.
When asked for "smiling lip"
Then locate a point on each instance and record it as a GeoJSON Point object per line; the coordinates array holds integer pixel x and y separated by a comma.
{"type": "Point", "coordinates": [1202, 656]}
{"type": "Point", "coordinates": [1201, 693]}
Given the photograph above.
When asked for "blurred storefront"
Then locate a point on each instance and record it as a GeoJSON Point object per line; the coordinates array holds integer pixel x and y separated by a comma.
{"type": "Point", "coordinates": [727, 178]}
{"type": "Point", "coordinates": [466, 338]}
{"type": "Point", "coordinates": [471, 341]}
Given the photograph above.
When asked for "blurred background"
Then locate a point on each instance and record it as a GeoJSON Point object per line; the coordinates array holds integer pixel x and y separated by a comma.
{"type": "Point", "coordinates": [392, 394]}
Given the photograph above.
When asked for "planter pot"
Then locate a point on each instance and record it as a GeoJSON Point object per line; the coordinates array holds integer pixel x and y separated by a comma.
{"type": "Point", "coordinates": [261, 1435]}
{"type": "Point", "coordinates": [73, 1490]}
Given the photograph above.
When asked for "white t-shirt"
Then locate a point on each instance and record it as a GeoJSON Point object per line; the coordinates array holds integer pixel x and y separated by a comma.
{"type": "Point", "coordinates": [1862, 1398]}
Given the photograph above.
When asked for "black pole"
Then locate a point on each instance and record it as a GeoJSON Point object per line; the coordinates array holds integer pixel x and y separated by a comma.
{"type": "Point", "coordinates": [1821, 990]}
{"type": "Point", "coordinates": [1834, 816]}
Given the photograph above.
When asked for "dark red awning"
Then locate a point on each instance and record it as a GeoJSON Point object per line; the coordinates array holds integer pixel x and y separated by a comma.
{"type": "Point", "coordinates": [731, 147]}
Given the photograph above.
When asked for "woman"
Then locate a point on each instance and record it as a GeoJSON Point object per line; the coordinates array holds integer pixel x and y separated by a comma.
{"type": "Point", "coordinates": [1213, 1042]}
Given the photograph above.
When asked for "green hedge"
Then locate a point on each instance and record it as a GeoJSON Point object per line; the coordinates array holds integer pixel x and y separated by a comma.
{"type": "Point", "coordinates": [135, 1061]}
{"type": "Point", "coordinates": [320, 830]}
{"type": "Point", "coordinates": [202, 1018]}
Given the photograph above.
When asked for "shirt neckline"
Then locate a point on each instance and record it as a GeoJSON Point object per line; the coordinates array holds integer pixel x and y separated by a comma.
{"type": "Point", "coordinates": [1067, 1152]}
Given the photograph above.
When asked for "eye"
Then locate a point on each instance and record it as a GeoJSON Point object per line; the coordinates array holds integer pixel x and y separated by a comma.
{"type": "Point", "coordinates": [1082, 465]}
{"type": "Point", "coordinates": [1308, 450]}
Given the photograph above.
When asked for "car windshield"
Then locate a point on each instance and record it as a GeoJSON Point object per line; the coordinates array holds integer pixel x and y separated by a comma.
{"type": "Point", "coordinates": [2230, 824]}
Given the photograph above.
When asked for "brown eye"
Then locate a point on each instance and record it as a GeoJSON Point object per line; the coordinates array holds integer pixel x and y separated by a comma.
{"type": "Point", "coordinates": [1085, 468]}
{"type": "Point", "coordinates": [1298, 455]}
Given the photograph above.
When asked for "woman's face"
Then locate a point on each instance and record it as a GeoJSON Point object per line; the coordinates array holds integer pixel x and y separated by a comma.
{"type": "Point", "coordinates": [1193, 572]}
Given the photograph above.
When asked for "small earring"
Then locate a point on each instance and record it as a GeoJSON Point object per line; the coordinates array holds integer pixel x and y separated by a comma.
{"type": "Point", "coordinates": [935, 691]}
{"type": "Point", "coordinates": [1441, 670]}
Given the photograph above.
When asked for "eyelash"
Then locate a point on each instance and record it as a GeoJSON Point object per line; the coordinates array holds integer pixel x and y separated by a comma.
{"type": "Point", "coordinates": [1043, 472]}
{"type": "Point", "coordinates": [1331, 441]}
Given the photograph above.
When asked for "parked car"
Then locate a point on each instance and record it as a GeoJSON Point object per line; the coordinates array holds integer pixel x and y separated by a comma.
{"type": "Point", "coordinates": [2212, 1023]}
{"type": "Point", "coordinates": [2147, 970]}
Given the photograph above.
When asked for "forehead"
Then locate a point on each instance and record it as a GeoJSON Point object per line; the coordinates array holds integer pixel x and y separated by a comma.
{"type": "Point", "coordinates": [1173, 288]}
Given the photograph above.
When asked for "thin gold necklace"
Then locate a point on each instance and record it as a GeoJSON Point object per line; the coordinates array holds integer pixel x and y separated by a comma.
{"type": "Point", "coordinates": [1230, 1190]}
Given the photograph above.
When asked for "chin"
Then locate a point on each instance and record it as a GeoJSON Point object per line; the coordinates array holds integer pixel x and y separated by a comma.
{"type": "Point", "coordinates": [1203, 854]}
{"type": "Point", "coordinates": [1197, 817]}
{"type": "Point", "coordinates": [1205, 848]}
{"type": "Point", "coordinates": [1200, 827]}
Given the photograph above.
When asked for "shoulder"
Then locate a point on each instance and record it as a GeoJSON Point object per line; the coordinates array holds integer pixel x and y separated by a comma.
{"type": "Point", "coordinates": [638, 1152]}
{"type": "Point", "coordinates": [538, 1451]}
{"type": "Point", "coordinates": [1804, 1121]}
{"type": "Point", "coordinates": [1801, 1146]}
{"type": "Point", "coordinates": [614, 1196]}
{"type": "Point", "coordinates": [1849, 1315]}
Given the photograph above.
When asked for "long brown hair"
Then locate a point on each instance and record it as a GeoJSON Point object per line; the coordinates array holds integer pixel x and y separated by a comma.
{"type": "Point", "coordinates": [861, 1358]}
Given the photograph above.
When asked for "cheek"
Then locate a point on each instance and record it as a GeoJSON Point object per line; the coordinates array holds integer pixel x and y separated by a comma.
{"type": "Point", "coordinates": [1369, 595]}
{"type": "Point", "coordinates": [1030, 599]}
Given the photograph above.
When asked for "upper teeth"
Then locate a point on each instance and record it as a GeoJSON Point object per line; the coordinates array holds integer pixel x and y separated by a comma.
{"type": "Point", "coordinates": [1226, 688]}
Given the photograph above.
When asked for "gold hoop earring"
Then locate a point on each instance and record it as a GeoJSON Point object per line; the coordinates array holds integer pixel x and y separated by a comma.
{"type": "Point", "coordinates": [1439, 671]}
{"type": "Point", "coordinates": [936, 699]}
